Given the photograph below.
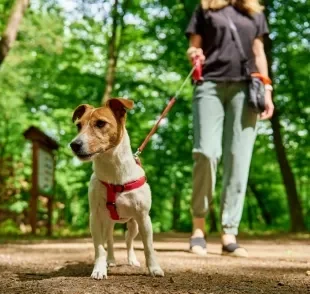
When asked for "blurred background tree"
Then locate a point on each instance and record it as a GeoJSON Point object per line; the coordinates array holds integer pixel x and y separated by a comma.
{"type": "Point", "coordinates": [84, 51]}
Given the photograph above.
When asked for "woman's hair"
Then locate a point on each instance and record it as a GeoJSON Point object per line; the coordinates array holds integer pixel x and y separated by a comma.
{"type": "Point", "coordinates": [247, 6]}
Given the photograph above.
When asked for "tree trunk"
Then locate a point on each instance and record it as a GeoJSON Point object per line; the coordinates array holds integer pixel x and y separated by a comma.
{"type": "Point", "coordinates": [250, 215]}
{"type": "Point", "coordinates": [295, 209]}
{"type": "Point", "coordinates": [10, 32]}
{"type": "Point", "coordinates": [212, 214]}
{"type": "Point", "coordinates": [112, 56]}
{"type": "Point", "coordinates": [259, 198]}
{"type": "Point", "coordinates": [114, 47]}
{"type": "Point", "coordinates": [176, 211]}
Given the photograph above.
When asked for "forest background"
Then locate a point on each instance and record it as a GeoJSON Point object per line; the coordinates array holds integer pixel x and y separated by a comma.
{"type": "Point", "coordinates": [83, 51]}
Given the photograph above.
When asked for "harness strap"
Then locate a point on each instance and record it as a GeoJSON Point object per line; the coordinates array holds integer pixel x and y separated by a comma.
{"type": "Point", "coordinates": [113, 189]}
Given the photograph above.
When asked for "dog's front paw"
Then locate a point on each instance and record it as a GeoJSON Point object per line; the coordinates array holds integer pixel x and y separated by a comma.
{"type": "Point", "coordinates": [100, 271]}
{"type": "Point", "coordinates": [98, 275]}
{"type": "Point", "coordinates": [156, 271]}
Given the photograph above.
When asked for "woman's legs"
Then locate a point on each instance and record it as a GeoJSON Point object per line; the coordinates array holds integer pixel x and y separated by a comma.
{"type": "Point", "coordinates": [208, 114]}
{"type": "Point", "coordinates": [238, 142]}
{"type": "Point", "coordinates": [239, 137]}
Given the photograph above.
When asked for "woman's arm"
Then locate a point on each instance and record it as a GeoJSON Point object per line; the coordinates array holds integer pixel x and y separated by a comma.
{"type": "Point", "coordinates": [195, 41]}
{"type": "Point", "coordinates": [260, 56]}
{"type": "Point", "coordinates": [262, 66]}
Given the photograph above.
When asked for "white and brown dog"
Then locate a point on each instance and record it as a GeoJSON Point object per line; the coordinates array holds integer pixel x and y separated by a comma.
{"type": "Point", "coordinates": [118, 191]}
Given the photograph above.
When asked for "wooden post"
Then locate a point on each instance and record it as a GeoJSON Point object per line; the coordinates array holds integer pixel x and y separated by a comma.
{"type": "Point", "coordinates": [43, 179]}
{"type": "Point", "coordinates": [49, 216]}
{"type": "Point", "coordinates": [34, 189]}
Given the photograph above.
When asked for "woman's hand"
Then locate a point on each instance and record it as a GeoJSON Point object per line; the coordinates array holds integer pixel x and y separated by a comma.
{"type": "Point", "coordinates": [269, 107]}
{"type": "Point", "coordinates": [261, 64]}
{"type": "Point", "coordinates": [194, 52]}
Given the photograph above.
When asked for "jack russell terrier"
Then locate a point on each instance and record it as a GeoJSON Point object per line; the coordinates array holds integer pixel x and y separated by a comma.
{"type": "Point", "coordinates": [118, 191]}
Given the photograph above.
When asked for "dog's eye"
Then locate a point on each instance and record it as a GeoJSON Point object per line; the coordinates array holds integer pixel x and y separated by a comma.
{"type": "Point", "coordinates": [100, 123]}
{"type": "Point", "coordinates": [79, 126]}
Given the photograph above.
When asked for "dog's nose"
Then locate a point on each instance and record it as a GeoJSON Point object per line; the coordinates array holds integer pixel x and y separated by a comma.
{"type": "Point", "coordinates": [76, 145]}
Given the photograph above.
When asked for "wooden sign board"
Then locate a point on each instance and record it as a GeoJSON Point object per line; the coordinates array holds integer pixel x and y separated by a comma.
{"type": "Point", "coordinates": [43, 170]}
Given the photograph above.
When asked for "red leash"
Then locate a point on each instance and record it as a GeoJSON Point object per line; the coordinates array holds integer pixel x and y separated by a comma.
{"type": "Point", "coordinates": [196, 74]}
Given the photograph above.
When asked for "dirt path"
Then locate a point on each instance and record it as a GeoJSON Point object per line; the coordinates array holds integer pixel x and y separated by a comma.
{"type": "Point", "coordinates": [277, 266]}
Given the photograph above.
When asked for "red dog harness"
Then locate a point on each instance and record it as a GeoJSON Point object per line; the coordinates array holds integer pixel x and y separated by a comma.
{"type": "Point", "coordinates": [113, 189]}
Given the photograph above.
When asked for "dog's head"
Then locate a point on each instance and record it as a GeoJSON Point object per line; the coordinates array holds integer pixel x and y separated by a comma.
{"type": "Point", "coordinates": [99, 129]}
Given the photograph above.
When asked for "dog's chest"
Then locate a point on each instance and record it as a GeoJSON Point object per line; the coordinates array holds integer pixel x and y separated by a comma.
{"type": "Point", "coordinates": [128, 203]}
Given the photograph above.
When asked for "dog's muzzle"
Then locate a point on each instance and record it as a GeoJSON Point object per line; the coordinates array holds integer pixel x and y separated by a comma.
{"type": "Point", "coordinates": [76, 146]}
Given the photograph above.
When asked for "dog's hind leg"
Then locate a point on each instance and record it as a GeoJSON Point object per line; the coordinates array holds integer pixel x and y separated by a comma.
{"type": "Point", "coordinates": [98, 231]}
{"type": "Point", "coordinates": [146, 231]}
{"type": "Point", "coordinates": [110, 242]}
{"type": "Point", "coordinates": [130, 235]}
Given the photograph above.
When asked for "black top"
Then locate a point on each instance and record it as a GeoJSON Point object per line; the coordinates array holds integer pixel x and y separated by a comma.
{"type": "Point", "coordinates": [223, 60]}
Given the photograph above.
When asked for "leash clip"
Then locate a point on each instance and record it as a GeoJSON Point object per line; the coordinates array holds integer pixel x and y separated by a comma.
{"type": "Point", "coordinates": [136, 154]}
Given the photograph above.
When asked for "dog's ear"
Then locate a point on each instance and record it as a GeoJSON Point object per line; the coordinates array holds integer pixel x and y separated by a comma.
{"type": "Point", "coordinates": [119, 106]}
{"type": "Point", "coordinates": [80, 110]}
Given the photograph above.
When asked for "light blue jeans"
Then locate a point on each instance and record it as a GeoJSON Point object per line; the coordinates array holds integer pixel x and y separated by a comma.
{"type": "Point", "coordinates": [223, 124]}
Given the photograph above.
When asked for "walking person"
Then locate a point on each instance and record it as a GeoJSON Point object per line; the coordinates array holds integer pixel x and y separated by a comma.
{"type": "Point", "coordinates": [224, 123]}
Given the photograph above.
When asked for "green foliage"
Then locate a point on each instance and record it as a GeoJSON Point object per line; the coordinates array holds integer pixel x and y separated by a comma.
{"type": "Point", "coordinates": [9, 227]}
{"type": "Point", "coordinates": [59, 61]}
{"type": "Point", "coordinates": [5, 9]}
